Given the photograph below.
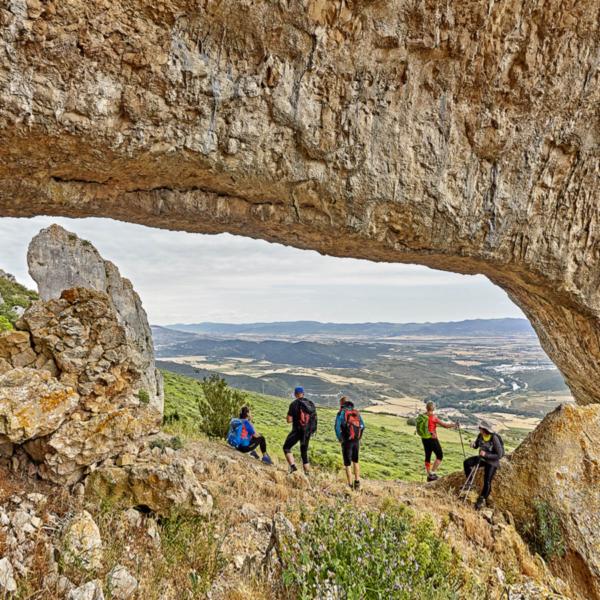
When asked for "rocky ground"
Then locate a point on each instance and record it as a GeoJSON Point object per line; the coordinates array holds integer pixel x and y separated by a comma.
{"type": "Point", "coordinates": [112, 536]}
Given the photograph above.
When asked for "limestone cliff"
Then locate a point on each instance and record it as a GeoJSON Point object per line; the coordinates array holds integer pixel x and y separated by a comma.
{"type": "Point", "coordinates": [461, 135]}
{"type": "Point", "coordinates": [78, 383]}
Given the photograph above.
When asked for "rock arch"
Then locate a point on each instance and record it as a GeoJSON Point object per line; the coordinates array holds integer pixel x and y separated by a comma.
{"type": "Point", "coordinates": [462, 136]}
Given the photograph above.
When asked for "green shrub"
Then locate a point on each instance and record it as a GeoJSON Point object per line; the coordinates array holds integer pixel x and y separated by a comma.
{"type": "Point", "coordinates": [411, 421]}
{"type": "Point", "coordinates": [174, 442]}
{"type": "Point", "coordinates": [5, 324]}
{"type": "Point", "coordinates": [144, 396]}
{"type": "Point", "coordinates": [219, 405]}
{"type": "Point", "coordinates": [545, 534]}
{"type": "Point", "coordinates": [358, 555]}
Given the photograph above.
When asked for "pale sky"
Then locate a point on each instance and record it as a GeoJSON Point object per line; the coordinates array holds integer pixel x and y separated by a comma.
{"type": "Point", "coordinates": [188, 278]}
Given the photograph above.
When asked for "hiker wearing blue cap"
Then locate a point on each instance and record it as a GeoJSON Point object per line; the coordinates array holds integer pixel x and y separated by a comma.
{"type": "Point", "coordinates": [302, 414]}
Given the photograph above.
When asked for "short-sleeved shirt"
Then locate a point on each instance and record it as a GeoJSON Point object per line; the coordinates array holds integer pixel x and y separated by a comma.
{"type": "Point", "coordinates": [433, 423]}
{"type": "Point", "coordinates": [247, 432]}
{"type": "Point", "coordinates": [294, 412]}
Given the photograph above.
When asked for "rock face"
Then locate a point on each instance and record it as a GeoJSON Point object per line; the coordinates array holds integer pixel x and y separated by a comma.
{"type": "Point", "coordinates": [58, 260]}
{"type": "Point", "coordinates": [160, 482]}
{"type": "Point", "coordinates": [462, 136]}
{"type": "Point", "coordinates": [33, 404]}
{"type": "Point", "coordinates": [77, 380]}
{"type": "Point", "coordinates": [559, 465]}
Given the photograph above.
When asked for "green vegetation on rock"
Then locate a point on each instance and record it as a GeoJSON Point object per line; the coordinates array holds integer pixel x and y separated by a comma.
{"type": "Point", "coordinates": [545, 534]}
{"type": "Point", "coordinates": [5, 324]}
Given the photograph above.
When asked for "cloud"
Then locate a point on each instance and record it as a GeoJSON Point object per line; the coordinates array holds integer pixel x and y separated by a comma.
{"type": "Point", "coordinates": [185, 277]}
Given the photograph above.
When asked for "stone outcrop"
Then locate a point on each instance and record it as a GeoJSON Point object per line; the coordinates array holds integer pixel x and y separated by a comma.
{"type": "Point", "coordinates": [162, 482]}
{"type": "Point", "coordinates": [559, 465]}
{"type": "Point", "coordinates": [463, 136]}
{"type": "Point", "coordinates": [78, 383]}
{"type": "Point", "coordinates": [58, 260]}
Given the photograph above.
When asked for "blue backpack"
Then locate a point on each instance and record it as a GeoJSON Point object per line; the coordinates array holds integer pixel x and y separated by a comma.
{"type": "Point", "coordinates": [234, 436]}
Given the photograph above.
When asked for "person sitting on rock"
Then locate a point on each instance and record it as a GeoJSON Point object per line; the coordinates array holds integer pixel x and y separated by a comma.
{"type": "Point", "coordinates": [491, 450]}
{"type": "Point", "coordinates": [245, 438]}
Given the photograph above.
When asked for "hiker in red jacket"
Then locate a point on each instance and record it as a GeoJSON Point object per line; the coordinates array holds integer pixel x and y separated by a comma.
{"type": "Point", "coordinates": [432, 444]}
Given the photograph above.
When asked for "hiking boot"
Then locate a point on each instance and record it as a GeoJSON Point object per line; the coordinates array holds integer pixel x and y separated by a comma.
{"type": "Point", "coordinates": [267, 459]}
{"type": "Point", "coordinates": [480, 503]}
{"type": "Point", "coordinates": [432, 477]}
{"type": "Point", "coordinates": [292, 469]}
{"type": "Point", "coordinates": [253, 454]}
{"type": "Point", "coordinates": [357, 485]}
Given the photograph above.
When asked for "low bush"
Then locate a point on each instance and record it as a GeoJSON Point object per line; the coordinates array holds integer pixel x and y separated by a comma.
{"type": "Point", "coordinates": [5, 324]}
{"type": "Point", "coordinates": [175, 443]}
{"type": "Point", "coordinates": [545, 534]}
{"type": "Point", "coordinates": [357, 555]}
{"type": "Point", "coordinates": [218, 406]}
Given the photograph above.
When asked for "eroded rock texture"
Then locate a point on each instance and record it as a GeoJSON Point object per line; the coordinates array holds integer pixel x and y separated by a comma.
{"type": "Point", "coordinates": [460, 135]}
{"type": "Point", "coordinates": [557, 469]}
{"type": "Point", "coordinates": [58, 260]}
{"type": "Point", "coordinates": [77, 382]}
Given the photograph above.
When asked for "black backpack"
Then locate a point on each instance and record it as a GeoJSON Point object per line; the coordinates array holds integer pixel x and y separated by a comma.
{"type": "Point", "coordinates": [501, 444]}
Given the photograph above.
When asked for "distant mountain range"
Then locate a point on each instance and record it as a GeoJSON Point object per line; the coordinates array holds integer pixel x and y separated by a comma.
{"type": "Point", "coordinates": [473, 328]}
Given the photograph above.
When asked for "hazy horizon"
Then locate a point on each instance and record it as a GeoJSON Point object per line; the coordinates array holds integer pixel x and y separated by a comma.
{"type": "Point", "coordinates": [190, 278]}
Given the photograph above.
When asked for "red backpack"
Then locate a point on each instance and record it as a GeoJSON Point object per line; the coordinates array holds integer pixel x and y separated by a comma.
{"type": "Point", "coordinates": [351, 428]}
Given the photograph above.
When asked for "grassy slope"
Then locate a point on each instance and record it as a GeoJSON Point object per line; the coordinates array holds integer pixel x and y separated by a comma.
{"type": "Point", "coordinates": [390, 448]}
{"type": "Point", "coordinates": [14, 294]}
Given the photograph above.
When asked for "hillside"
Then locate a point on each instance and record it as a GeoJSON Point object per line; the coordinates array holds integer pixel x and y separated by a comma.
{"type": "Point", "coordinates": [509, 378]}
{"type": "Point", "coordinates": [14, 298]}
{"type": "Point", "coordinates": [390, 450]}
{"type": "Point", "coordinates": [471, 327]}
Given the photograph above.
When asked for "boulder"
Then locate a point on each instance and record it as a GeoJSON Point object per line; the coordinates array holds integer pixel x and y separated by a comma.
{"type": "Point", "coordinates": [7, 577]}
{"type": "Point", "coordinates": [81, 543]}
{"type": "Point", "coordinates": [33, 403]}
{"type": "Point", "coordinates": [92, 590]}
{"type": "Point", "coordinates": [558, 467]}
{"type": "Point", "coordinates": [161, 483]}
{"type": "Point", "coordinates": [121, 583]}
{"type": "Point", "coordinates": [58, 260]}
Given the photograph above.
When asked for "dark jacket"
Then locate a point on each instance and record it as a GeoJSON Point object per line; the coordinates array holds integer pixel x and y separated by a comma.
{"type": "Point", "coordinates": [493, 449]}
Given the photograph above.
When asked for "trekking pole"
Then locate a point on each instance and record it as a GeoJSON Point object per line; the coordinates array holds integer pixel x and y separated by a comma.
{"type": "Point", "coordinates": [468, 484]}
{"type": "Point", "coordinates": [461, 440]}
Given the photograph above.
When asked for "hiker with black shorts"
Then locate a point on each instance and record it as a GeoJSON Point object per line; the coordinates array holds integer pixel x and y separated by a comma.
{"type": "Point", "coordinates": [302, 414]}
{"type": "Point", "coordinates": [491, 450]}
{"type": "Point", "coordinates": [349, 428]}
{"type": "Point", "coordinates": [427, 428]}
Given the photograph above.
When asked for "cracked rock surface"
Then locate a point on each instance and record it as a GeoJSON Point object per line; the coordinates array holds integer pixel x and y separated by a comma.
{"type": "Point", "coordinates": [462, 136]}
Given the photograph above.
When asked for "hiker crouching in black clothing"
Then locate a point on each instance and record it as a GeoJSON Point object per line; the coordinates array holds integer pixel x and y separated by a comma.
{"type": "Point", "coordinates": [302, 414]}
{"type": "Point", "coordinates": [491, 450]}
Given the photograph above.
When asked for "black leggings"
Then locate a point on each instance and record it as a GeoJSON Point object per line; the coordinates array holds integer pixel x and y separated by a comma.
{"type": "Point", "coordinates": [255, 442]}
{"type": "Point", "coordinates": [488, 474]}
{"type": "Point", "coordinates": [432, 446]}
{"type": "Point", "coordinates": [292, 439]}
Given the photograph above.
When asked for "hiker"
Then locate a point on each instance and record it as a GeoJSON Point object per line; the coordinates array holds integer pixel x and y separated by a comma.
{"type": "Point", "coordinates": [491, 450]}
{"type": "Point", "coordinates": [302, 414]}
{"type": "Point", "coordinates": [427, 428]}
{"type": "Point", "coordinates": [243, 437]}
{"type": "Point", "coordinates": [349, 428]}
